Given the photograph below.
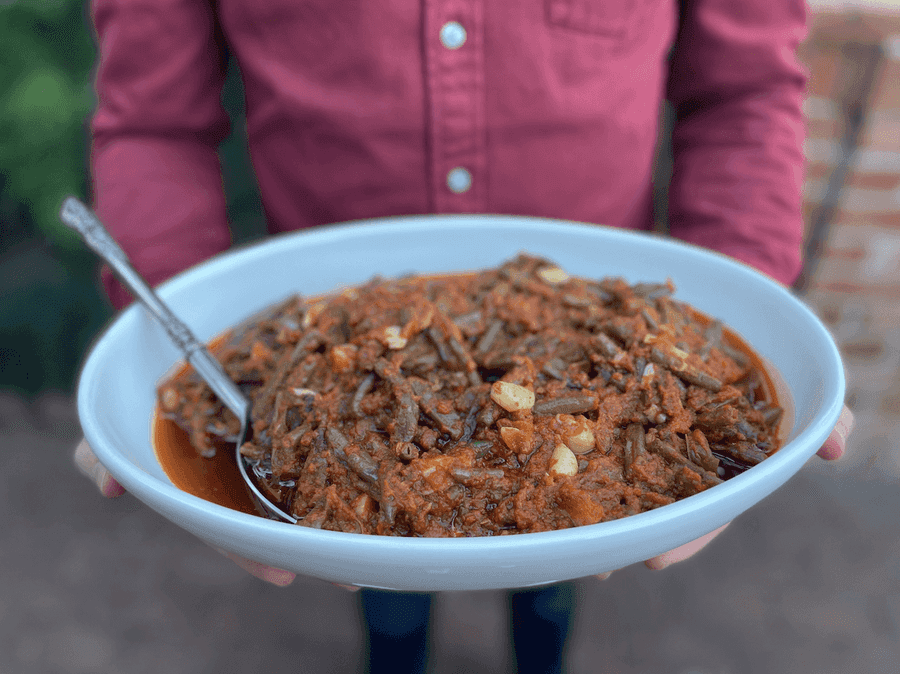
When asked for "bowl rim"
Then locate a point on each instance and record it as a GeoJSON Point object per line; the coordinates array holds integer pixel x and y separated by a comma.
{"type": "Point", "coordinates": [152, 490]}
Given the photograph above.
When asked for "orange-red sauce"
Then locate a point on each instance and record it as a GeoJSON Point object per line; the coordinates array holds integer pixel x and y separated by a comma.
{"type": "Point", "coordinates": [216, 479]}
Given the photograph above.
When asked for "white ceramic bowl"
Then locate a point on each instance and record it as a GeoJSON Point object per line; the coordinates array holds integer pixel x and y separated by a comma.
{"type": "Point", "coordinates": [118, 381]}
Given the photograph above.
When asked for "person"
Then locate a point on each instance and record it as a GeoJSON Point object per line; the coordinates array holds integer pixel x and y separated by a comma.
{"type": "Point", "coordinates": [395, 107]}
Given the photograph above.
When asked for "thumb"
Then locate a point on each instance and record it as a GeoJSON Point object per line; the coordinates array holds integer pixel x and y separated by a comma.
{"type": "Point", "coordinates": [681, 553]}
{"type": "Point", "coordinates": [90, 466]}
{"type": "Point", "coordinates": [270, 574]}
{"type": "Point", "coordinates": [836, 444]}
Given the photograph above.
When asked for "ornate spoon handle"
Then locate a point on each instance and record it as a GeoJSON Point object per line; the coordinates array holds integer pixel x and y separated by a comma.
{"type": "Point", "coordinates": [79, 217]}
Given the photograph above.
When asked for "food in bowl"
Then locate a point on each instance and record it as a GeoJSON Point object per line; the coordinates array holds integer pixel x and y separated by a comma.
{"type": "Point", "coordinates": [511, 400]}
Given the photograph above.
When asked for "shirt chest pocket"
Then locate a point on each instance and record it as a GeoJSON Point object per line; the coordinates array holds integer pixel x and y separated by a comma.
{"type": "Point", "coordinates": [615, 23]}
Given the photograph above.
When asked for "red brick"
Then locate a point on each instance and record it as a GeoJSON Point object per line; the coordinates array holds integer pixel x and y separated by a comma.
{"type": "Point", "coordinates": [824, 69]}
{"type": "Point", "coordinates": [889, 219]}
{"type": "Point", "coordinates": [843, 236]}
{"type": "Point", "coordinates": [880, 311]}
{"type": "Point", "coordinates": [828, 129]}
{"type": "Point", "coordinates": [818, 171]}
{"type": "Point", "coordinates": [874, 181]}
{"type": "Point", "coordinates": [863, 350]}
{"type": "Point", "coordinates": [854, 254]}
{"type": "Point", "coordinates": [867, 202]}
{"type": "Point", "coordinates": [865, 256]}
{"type": "Point", "coordinates": [886, 91]}
{"type": "Point", "coordinates": [886, 219]}
{"type": "Point", "coordinates": [857, 289]}
{"type": "Point", "coordinates": [844, 219]}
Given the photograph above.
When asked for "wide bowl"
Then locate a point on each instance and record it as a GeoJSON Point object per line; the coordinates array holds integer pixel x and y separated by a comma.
{"type": "Point", "coordinates": [116, 392]}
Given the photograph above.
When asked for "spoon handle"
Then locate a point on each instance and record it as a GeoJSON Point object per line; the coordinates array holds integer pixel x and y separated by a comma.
{"type": "Point", "coordinates": [79, 217]}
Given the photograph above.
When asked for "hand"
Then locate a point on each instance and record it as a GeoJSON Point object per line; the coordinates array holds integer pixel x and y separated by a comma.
{"type": "Point", "coordinates": [88, 464]}
{"type": "Point", "coordinates": [834, 448]}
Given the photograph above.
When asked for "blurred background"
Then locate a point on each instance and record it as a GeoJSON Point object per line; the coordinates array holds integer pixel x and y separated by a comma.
{"type": "Point", "coordinates": [129, 592]}
{"type": "Point", "coordinates": [51, 305]}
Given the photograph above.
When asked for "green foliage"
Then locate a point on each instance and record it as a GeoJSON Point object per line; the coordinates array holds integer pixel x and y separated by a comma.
{"type": "Point", "coordinates": [46, 57]}
{"type": "Point", "coordinates": [50, 302]}
{"type": "Point", "coordinates": [50, 305]}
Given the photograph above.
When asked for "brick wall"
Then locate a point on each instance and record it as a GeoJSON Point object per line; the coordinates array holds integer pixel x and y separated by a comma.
{"type": "Point", "coordinates": [853, 233]}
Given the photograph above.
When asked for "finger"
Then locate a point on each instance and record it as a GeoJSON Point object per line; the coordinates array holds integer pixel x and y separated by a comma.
{"type": "Point", "coordinates": [270, 574]}
{"type": "Point", "coordinates": [89, 465]}
{"type": "Point", "coordinates": [836, 444]}
{"type": "Point", "coordinates": [681, 553]}
{"type": "Point", "coordinates": [349, 588]}
{"type": "Point", "coordinates": [603, 576]}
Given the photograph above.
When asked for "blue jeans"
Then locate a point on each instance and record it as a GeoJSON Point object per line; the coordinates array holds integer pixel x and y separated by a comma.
{"type": "Point", "coordinates": [398, 630]}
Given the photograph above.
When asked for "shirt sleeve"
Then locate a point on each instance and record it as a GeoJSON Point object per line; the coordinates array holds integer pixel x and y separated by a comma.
{"type": "Point", "coordinates": [737, 89]}
{"type": "Point", "coordinates": [157, 183]}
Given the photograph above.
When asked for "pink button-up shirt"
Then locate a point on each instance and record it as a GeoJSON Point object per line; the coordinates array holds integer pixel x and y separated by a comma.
{"type": "Point", "coordinates": [388, 107]}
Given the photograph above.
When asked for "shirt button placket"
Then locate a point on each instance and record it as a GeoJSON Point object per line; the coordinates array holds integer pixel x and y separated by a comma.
{"type": "Point", "coordinates": [456, 91]}
{"type": "Point", "coordinates": [453, 36]}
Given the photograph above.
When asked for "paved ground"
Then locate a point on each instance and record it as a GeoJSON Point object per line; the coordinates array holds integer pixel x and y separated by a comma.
{"type": "Point", "coordinates": [808, 581]}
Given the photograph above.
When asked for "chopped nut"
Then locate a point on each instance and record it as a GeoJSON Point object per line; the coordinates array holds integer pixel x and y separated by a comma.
{"type": "Point", "coordinates": [553, 275]}
{"type": "Point", "coordinates": [575, 432]}
{"type": "Point", "coordinates": [312, 314]}
{"type": "Point", "coordinates": [393, 339]}
{"type": "Point", "coordinates": [582, 442]}
{"type": "Point", "coordinates": [170, 399]}
{"type": "Point", "coordinates": [563, 461]}
{"type": "Point", "coordinates": [648, 375]}
{"type": "Point", "coordinates": [421, 320]}
{"type": "Point", "coordinates": [512, 397]}
{"type": "Point", "coordinates": [518, 435]}
{"type": "Point", "coordinates": [343, 357]}
{"type": "Point", "coordinates": [259, 352]}
{"type": "Point", "coordinates": [363, 505]}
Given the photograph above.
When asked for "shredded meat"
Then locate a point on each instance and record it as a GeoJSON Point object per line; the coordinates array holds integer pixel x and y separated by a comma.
{"type": "Point", "coordinates": [517, 399]}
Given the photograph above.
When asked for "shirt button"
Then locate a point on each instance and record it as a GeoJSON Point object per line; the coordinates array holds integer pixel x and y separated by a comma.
{"type": "Point", "coordinates": [453, 35]}
{"type": "Point", "coordinates": [459, 180]}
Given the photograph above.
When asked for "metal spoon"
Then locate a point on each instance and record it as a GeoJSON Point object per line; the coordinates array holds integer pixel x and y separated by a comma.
{"type": "Point", "coordinates": [79, 217]}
